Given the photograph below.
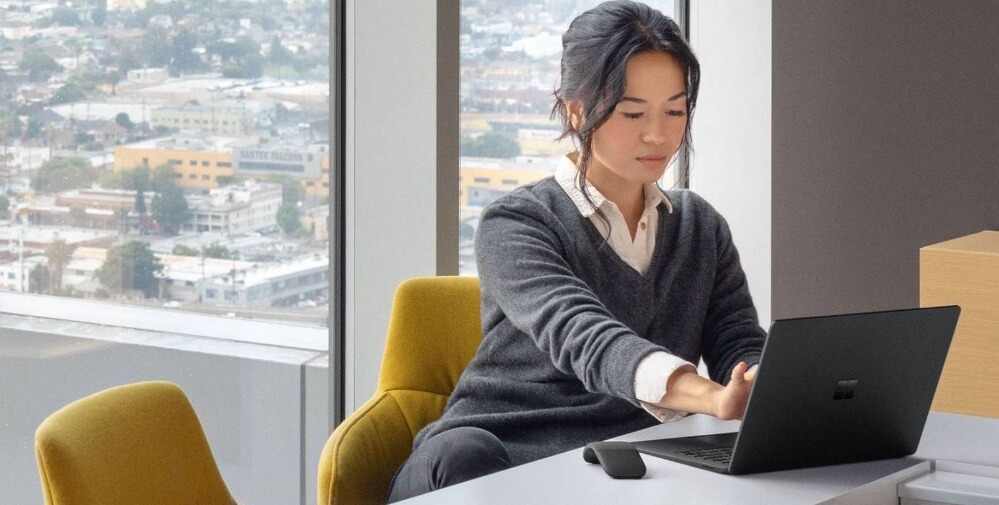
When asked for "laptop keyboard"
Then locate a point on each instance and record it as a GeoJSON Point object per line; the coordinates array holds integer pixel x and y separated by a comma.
{"type": "Point", "coordinates": [721, 455]}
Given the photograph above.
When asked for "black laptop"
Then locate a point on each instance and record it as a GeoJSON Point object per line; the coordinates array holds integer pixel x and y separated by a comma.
{"type": "Point", "coordinates": [831, 390]}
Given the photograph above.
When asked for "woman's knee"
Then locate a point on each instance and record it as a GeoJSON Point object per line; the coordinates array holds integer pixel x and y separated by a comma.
{"type": "Point", "coordinates": [468, 450]}
{"type": "Point", "coordinates": [448, 458]}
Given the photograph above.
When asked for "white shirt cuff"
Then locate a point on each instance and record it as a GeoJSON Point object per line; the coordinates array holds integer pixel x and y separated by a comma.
{"type": "Point", "coordinates": [650, 383]}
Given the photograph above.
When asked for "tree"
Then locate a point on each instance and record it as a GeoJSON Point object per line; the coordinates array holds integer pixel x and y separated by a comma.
{"type": "Point", "coordinates": [129, 266]}
{"type": "Point", "coordinates": [4, 207]}
{"type": "Point", "coordinates": [216, 250]}
{"type": "Point", "coordinates": [128, 59]}
{"type": "Point", "coordinates": [225, 180]}
{"type": "Point", "coordinates": [155, 47]}
{"type": "Point", "coordinates": [183, 58]}
{"type": "Point", "coordinates": [279, 54]}
{"type": "Point", "coordinates": [490, 145]}
{"type": "Point", "coordinates": [287, 218]}
{"type": "Point", "coordinates": [100, 13]}
{"type": "Point", "coordinates": [78, 216]}
{"type": "Point", "coordinates": [58, 254]}
{"type": "Point", "coordinates": [170, 209]}
{"type": "Point", "coordinates": [183, 250]}
{"type": "Point", "coordinates": [11, 127]}
{"type": "Point", "coordinates": [34, 128]}
{"type": "Point", "coordinates": [466, 231]}
{"type": "Point", "coordinates": [60, 174]}
{"type": "Point", "coordinates": [233, 52]}
{"type": "Point", "coordinates": [251, 67]}
{"type": "Point", "coordinates": [38, 65]}
{"type": "Point", "coordinates": [163, 178]}
{"type": "Point", "coordinates": [140, 205]}
{"type": "Point", "coordinates": [65, 16]}
{"type": "Point", "coordinates": [291, 190]}
{"type": "Point", "coordinates": [69, 92]}
{"type": "Point", "coordinates": [121, 179]}
{"type": "Point", "coordinates": [123, 120]}
{"type": "Point", "coordinates": [39, 279]}
{"type": "Point", "coordinates": [121, 220]}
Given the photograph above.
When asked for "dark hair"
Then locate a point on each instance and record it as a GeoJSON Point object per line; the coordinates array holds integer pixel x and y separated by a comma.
{"type": "Point", "coordinates": [595, 52]}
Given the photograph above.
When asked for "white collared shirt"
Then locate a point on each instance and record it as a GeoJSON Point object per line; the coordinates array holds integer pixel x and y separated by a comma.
{"type": "Point", "coordinates": [654, 369]}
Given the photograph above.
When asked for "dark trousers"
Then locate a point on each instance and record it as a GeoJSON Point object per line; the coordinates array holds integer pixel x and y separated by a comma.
{"type": "Point", "coordinates": [450, 457]}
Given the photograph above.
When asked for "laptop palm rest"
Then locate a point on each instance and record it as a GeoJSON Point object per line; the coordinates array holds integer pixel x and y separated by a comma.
{"type": "Point", "coordinates": [681, 449]}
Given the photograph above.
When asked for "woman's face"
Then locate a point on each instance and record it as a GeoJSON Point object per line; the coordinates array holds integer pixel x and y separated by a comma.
{"type": "Point", "coordinates": [640, 137]}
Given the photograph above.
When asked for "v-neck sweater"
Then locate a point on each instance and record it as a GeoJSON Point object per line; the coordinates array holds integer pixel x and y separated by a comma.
{"type": "Point", "coordinates": [566, 321]}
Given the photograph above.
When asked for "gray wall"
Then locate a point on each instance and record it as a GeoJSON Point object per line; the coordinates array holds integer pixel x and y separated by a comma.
{"type": "Point", "coordinates": [885, 139]}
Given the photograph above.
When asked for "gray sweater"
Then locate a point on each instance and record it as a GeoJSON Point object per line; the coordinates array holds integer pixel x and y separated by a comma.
{"type": "Point", "coordinates": [565, 321]}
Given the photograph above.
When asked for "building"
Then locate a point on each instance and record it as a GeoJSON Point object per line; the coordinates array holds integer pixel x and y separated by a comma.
{"type": "Point", "coordinates": [231, 119]}
{"type": "Point", "coordinates": [182, 275]}
{"type": "Point", "coordinates": [234, 210]}
{"type": "Point", "coordinates": [40, 237]}
{"type": "Point", "coordinates": [198, 163]}
{"type": "Point", "coordinates": [287, 283]}
{"type": "Point", "coordinates": [109, 199]}
{"type": "Point", "coordinates": [111, 133]}
{"type": "Point", "coordinates": [15, 274]}
{"type": "Point", "coordinates": [148, 75]}
{"type": "Point", "coordinates": [126, 5]}
{"type": "Point", "coordinates": [256, 247]}
{"type": "Point", "coordinates": [483, 180]}
{"type": "Point", "coordinates": [15, 30]}
{"type": "Point", "coordinates": [84, 208]}
{"type": "Point", "coordinates": [316, 221]}
{"type": "Point", "coordinates": [179, 278]}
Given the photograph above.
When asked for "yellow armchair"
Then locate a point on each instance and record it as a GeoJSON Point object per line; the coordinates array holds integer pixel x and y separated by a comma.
{"type": "Point", "coordinates": [434, 330]}
{"type": "Point", "coordinates": [138, 443]}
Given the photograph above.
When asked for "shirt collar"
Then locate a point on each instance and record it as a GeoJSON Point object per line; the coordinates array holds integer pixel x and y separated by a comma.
{"type": "Point", "coordinates": [567, 175]}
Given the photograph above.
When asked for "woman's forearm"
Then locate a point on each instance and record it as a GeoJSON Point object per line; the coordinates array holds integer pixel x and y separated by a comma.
{"type": "Point", "coordinates": [687, 391]}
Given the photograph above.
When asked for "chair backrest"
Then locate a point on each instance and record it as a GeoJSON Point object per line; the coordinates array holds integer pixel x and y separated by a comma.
{"type": "Point", "coordinates": [138, 443]}
{"type": "Point", "coordinates": [434, 331]}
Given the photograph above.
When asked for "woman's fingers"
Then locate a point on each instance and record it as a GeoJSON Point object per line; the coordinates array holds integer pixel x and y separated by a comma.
{"type": "Point", "coordinates": [739, 372]}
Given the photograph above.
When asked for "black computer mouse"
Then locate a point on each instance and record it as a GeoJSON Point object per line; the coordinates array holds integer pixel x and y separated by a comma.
{"type": "Point", "coordinates": [619, 459]}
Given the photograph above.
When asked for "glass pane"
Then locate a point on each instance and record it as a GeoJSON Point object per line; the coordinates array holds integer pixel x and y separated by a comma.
{"type": "Point", "coordinates": [168, 154]}
{"type": "Point", "coordinates": [510, 53]}
{"type": "Point", "coordinates": [165, 176]}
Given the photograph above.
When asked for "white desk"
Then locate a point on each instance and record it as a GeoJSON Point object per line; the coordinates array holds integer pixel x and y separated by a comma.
{"type": "Point", "coordinates": [566, 478]}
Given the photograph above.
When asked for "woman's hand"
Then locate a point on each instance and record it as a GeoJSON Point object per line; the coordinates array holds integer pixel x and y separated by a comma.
{"type": "Point", "coordinates": [730, 401]}
{"type": "Point", "coordinates": [688, 392]}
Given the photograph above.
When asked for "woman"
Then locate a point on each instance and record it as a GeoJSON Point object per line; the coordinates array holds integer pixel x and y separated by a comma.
{"type": "Point", "coordinates": [599, 290]}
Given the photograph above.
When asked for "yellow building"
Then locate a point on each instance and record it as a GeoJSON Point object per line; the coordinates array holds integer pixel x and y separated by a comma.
{"type": "Point", "coordinates": [482, 181]}
{"type": "Point", "coordinates": [198, 163]}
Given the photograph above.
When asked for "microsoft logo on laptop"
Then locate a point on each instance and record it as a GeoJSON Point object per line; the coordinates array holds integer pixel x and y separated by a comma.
{"type": "Point", "coordinates": [845, 389]}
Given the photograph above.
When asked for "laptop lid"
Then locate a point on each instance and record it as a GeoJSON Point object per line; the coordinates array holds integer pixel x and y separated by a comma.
{"type": "Point", "coordinates": [844, 388]}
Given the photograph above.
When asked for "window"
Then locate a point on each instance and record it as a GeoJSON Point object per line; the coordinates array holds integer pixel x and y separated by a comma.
{"type": "Point", "coordinates": [510, 61]}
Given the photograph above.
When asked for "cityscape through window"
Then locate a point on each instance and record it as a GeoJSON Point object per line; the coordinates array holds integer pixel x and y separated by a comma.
{"type": "Point", "coordinates": [510, 54]}
{"type": "Point", "coordinates": [170, 154]}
